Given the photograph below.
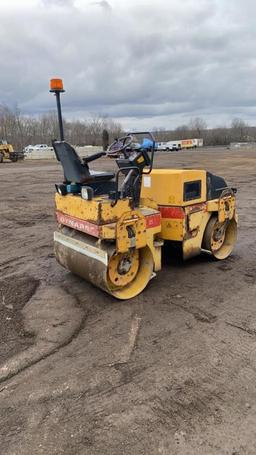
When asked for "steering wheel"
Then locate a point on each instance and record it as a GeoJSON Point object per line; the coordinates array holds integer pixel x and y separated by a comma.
{"type": "Point", "coordinates": [119, 145]}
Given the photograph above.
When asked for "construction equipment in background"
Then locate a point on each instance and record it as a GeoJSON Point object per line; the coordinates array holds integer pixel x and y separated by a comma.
{"type": "Point", "coordinates": [112, 227]}
{"type": "Point", "coordinates": [7, 153]}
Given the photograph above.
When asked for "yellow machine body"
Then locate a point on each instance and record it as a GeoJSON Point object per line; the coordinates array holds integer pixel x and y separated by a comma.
{"type": "Point", "coordinates": [166, 186]}
{"type": "Point", "coordinates": [95, 236]}
{"type": "Point", "coordinates": [181, 197]}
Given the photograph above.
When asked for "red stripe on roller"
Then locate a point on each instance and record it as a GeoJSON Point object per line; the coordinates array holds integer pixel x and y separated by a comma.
{"type": "Point", "coordinates": [153, 220]}
{"type": "Point", "coordinates": [77, 224]}
{"type": "Point", "coordinates": [172, 212]}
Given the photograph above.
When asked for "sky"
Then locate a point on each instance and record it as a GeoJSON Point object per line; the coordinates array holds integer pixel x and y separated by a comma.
{"type": "Point", "coordinates": [146, 64]}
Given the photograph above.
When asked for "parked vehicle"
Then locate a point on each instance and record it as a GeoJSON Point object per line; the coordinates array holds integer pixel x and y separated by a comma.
{"type": "Point", "coordinates": [41, 146]}
{"type": "Point", "coordinates": [179, 144]}
{"type": "Point", "coordinates": [198, 142]}
{"type": "Point", "coordinates": [36, 148]}
{"type": "Point", "coordinates": [161, 146]}
{"type": "Point", "coordinates": [173, 146]}
{"type": "Point", "coordinates": [168, 146]}
{"type": "Point", "coordinates": [191, 143]}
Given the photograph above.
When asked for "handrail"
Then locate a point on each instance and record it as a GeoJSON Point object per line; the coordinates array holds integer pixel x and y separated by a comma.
{"type": "Point", "coordinates": [153, 148]}
{"type": "Point", "coordinates": [117, 180]}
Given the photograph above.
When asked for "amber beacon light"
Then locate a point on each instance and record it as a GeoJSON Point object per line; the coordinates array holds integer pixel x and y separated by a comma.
{"type": "Point", "coordinates": [56, 87]}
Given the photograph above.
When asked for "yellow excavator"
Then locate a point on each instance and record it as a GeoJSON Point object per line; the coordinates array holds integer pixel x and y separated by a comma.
{"type": "Point", "coordinates": [112, 227]}
{"type": "Point", "coordinates": [7, 152]}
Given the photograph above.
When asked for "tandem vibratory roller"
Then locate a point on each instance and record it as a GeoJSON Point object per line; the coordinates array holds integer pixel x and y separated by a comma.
{"type": "Point", "coordinates": [113, 226]}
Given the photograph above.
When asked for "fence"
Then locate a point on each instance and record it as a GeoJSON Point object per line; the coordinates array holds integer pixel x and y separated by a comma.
{"type": "Point", "coordinates": [48, 153]}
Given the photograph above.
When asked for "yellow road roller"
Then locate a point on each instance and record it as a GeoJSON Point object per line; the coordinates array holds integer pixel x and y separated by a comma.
{"type": "Point", "coordinates": [113, 226]}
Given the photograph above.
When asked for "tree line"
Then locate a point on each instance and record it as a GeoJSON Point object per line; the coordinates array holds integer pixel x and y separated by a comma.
{"type": "Point", "coordinates": [237, 131]}
{"type": "Point", "coordinates": [21, 130]}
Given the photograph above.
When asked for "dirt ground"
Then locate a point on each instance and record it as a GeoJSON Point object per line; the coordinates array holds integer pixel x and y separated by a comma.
{"type": "Point", "coordinates": [185, 384]}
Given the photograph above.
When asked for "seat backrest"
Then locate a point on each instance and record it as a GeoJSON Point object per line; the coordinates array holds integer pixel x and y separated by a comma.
{"type": "Point", "coordinates": [215, 186]}
{"type": "Point", "coordinates": [73, 168]}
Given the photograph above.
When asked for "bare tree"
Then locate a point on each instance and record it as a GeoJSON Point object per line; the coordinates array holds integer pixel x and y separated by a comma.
{"type": "Point", "coordinates": [197, 126]}
{"type": "Point", "coordinates": [182, 132]}
{"type": "Point", "coordinates": [160, 134]}
{"type": "Point", "coordinates": [239, 130]}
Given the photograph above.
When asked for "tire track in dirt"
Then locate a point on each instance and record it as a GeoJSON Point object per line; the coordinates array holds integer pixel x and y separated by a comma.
{"type": "Point", "coordinates": [54, 318]}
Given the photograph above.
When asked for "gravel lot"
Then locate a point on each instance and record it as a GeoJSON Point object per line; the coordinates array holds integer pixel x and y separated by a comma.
{"type": "Point", "coordinates": [185, 383]}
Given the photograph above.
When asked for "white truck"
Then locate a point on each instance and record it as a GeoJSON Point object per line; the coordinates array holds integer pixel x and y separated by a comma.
{"type": "Point", "coordinates": [179, 144]}
{"type": "Point", "coordinates": [173, 145]}
{"type": "Point", "coordinates": [169, 146]}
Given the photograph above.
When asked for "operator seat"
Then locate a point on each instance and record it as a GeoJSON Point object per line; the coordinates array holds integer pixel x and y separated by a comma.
{"type": "Point", "coordinates": [74, 170]}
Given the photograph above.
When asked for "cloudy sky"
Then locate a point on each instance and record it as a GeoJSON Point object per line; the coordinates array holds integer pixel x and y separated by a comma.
{"type": "Point", "coordinates": [145, 63]}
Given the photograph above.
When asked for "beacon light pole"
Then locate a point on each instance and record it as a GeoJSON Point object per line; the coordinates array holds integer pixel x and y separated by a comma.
{"type": "Point", "coordinates": [56, 87]}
